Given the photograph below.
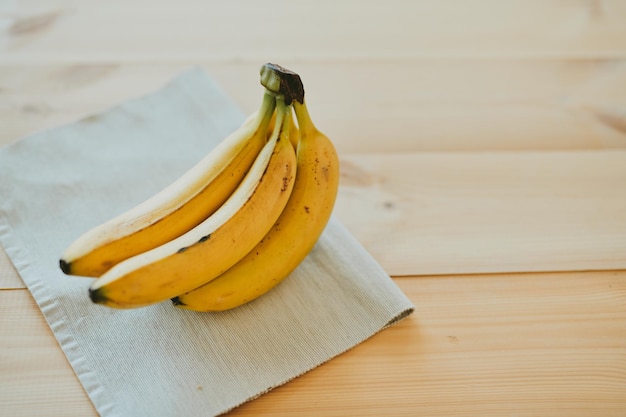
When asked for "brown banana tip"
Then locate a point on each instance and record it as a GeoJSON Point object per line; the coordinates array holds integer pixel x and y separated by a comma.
{"type": "Point", "coordinates": [290, 84]}
{"type": "Point", "coordinates": [97, 296]}
{"type": "Point", "coordinates": [66, 267]}
{"type": "Point", "coordinates": [177, 302]}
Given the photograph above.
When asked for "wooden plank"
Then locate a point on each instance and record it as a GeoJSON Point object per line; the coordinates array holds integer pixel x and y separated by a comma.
{"type": "Point", "coordinates": [549, 345]}
{"type": "Point", "coordinates": [369, 106]}
{"type": "Point", "coordinates": [479, 212]}
{"type": "Point", "coordinates": [45, 31]}
{"type": "Point", "coordinates": [463, 213]}
{"type": "Point", "coordinates": [490, 345]}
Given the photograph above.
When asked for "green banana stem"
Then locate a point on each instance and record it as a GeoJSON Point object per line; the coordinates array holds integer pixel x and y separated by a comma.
{"type": "Point", "coordinates": [304, 118]}
{"type": "Point", "coordinates": [270, 78]}
{"type": "Point", "coordinates": [282, 81]}
{"type": "Point", "coordinates": [266, 110]}
{"type": "Point", "coordinates": [283, 116]}
{"type": "Point", "coordinates": [288, 85]}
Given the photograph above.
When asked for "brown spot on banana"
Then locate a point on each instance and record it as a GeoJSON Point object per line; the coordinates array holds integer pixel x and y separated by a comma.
{"type": "Point", "coordinates": [202, 239]}
{"type": "Point", "coordinates": [286, 182]}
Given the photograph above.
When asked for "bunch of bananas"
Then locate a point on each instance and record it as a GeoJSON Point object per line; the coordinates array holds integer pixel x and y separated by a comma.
{"type": "Point", "coordinates": [229, 229]}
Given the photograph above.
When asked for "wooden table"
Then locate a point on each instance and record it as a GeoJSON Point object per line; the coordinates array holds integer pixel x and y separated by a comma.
{"type": "Point", "coordinates": [483, 147]}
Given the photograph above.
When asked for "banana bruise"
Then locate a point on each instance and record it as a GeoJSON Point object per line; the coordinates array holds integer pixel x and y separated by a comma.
{"type": "Point", "coordinates": [177, 208]}
{"type": "Point", "coordinates": [213, 246]}
{"type": "Point", "coordinates": [293, 235]}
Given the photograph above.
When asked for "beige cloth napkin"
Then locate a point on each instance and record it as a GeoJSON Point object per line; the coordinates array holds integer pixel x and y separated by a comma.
{"type": "Point", "coordinates": [159, 360]}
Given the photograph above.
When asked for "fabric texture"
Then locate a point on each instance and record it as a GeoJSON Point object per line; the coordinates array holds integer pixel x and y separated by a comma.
{"type": "Point", "coordinates": [160, 360]}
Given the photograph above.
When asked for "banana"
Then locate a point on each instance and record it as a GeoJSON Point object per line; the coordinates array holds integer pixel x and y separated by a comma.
{"type": "Point", "coordinates": [293, 235]}
{"type": "Point", "coordinates": [177, 208]}
{"type": "Point", "coordinates": [220, 241]}
{"type": "Point", "coordinates": [294, 134]}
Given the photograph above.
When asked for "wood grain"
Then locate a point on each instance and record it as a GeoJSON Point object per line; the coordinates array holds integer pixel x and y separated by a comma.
{"type": "Point", "coordinates": [464, 213]}
{"type": "Point", "coordinates": [553, 346]}
{"type": "Point", "coordinates": [490, 345]}
{"type": "Point", "coordinates": [457, 213]}
{"type": "Point", "coordinates": [145, 30]}
{"type": "Point", "coordinates": [367, 106]}
{"type": "Point", "coordinates": [476, 136]}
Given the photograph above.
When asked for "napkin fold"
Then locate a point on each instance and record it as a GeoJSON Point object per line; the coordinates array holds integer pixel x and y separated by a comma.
{"type": "Point", "coordinates": [160, 360]}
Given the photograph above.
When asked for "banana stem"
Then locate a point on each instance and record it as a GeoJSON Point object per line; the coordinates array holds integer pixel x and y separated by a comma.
{"type": "Point", "coordinates": [280, 80]}
{"type": "Point", "coordinates": [267, 108]}
{"type": "Point", "coordinates": [282, 111]}
{"type": "Point", "coordinates": [304, 119]}
{"type": "Point", "coordinates": [288, 87]}
{"type": "Point", "coordinates": [286, 127]}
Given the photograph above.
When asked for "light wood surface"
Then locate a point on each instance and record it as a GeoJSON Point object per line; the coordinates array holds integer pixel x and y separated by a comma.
{"type": "Point", "coordinates": [483, 147]}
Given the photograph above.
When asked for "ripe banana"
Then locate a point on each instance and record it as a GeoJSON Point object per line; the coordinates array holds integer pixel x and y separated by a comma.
{"type": "Point", "coordinates": [220, 241]}
{"type": "Point", "coordinates": [177, 208]}
{"type": "Point", "coordinates": [293, 235]}
{"type": "Point", "coordinates": [294, 135]}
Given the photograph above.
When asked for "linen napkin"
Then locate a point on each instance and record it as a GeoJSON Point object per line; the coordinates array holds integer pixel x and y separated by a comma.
{"type": "Point", "coordinates": [160, 360]}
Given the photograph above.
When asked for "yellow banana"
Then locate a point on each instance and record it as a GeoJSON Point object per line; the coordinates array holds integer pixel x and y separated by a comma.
{"type": "Point", "coordinates": [217, 243]}
{"type": "Point", "coordinates": [294, 135]}
{"type": "Point", "coordinates": [177, 208]}
{"type": "Point", "coordinates": [293, 235]}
